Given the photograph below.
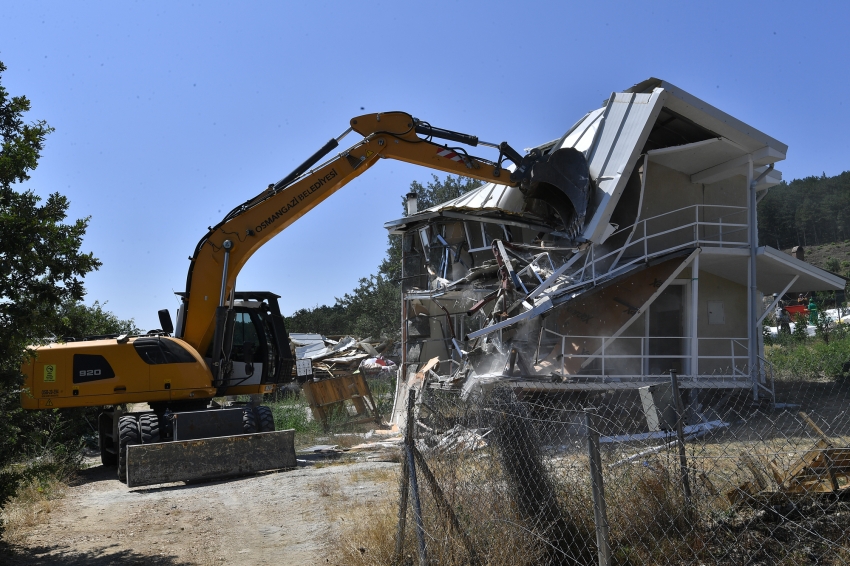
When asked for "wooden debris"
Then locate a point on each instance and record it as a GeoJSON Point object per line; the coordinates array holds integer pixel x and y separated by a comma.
{"type": "Point", "coordinates": [325, 394]}
{"type": "Point", "coordinates": [391, 443]}
{"type": "Point", "coordinates": [461, 437]}
{"type": "Point", "coordinates": [824, 468]}
{"type": "Point", "coordinates": [750, 463]}
{"type": "Point", "coordinates": [778, 475]}
{"type": "Point", "coordinates": [741, 494]}
{"type": "Point", "coordinates": [814, 427]}
{"type": "Point", "coordinates": [419, 378]}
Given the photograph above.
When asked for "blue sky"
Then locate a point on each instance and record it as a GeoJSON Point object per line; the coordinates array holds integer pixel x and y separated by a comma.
{"type": "Point", "coordinates": [168, 114]}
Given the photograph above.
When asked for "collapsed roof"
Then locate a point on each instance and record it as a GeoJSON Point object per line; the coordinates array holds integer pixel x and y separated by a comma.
{"type": "Point", "coordinates": [653, 118]}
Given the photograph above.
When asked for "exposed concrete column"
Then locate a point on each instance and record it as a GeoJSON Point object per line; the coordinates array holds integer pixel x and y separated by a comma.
{"type": "Point", "coordinates": [752, 296]}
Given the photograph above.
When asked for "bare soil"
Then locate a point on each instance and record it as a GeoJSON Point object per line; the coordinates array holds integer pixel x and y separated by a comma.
{"type": "Point", "coordinates": [273, 518]}
{"type": "Point", "coordinates": [817, 255]}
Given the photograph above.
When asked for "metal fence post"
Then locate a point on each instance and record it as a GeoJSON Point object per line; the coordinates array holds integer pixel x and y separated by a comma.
{"type": "Point", "coordinates": [402, 507]}
{"type": "Point", "coordinates": [414, 485]}
{"type": "Point", "coordinates": [680, 434]}
{"type": "Point", "coordinates": [417, 508]}
{"type": "Point", "coordinates": [600, 513]}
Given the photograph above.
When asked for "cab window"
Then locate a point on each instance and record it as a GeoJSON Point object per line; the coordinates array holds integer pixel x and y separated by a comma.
{"type": "Point", "coordinates": [244, 330]}
{"type": "Point", "coordinates": [157, 351]}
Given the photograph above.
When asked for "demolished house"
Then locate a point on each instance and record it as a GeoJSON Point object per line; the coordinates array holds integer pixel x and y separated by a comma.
{"type": "Point", "coordinates": [652, 266]}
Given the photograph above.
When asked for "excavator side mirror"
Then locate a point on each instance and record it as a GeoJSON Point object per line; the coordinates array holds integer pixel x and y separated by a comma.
{"type": "Point", "coordinates": [165, 321]}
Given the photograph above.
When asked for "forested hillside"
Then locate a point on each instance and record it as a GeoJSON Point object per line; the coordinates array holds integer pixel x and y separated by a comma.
{"type": "Point", "coordinates": [807, 212]}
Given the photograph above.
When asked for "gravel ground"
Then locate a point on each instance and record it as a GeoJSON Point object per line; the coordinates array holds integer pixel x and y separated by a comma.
{"type": "Point", "coordinates": [272, 518]}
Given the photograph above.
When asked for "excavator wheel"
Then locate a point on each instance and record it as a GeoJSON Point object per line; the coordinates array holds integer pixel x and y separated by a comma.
{"type": "Point", "coordinates": [107, 457]}
{"type": "Point", "coordinates": [149, 427]}
{"type": "Point", "coordinates": [265, 419]}
{"type": "Point", "coordinates": [249, 421]}
{"type": "Point", "coordinates": [128, 435]}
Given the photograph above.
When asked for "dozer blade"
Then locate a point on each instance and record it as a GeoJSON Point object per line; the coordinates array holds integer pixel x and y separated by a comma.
{"type": "Point", "coordinates": [562, 180]}
{"type": "Point", "coordinates": [209, 458]}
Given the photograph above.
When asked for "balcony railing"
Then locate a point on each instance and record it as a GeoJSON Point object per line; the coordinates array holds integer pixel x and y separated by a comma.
{"type": "Point", "coordinates": [689, 227]}
{"type": "Point", "coordinates": [642, 358]}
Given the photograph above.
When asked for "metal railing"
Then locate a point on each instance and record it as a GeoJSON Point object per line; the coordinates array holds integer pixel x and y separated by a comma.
{"type": "Point", "coordinates": [631, 357]}
{"type": "Point", "coordinates": [666, 233]}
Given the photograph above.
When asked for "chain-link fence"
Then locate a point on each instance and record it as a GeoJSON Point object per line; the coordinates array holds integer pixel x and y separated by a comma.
{"type": "Point", "coordinates": [613, 475]}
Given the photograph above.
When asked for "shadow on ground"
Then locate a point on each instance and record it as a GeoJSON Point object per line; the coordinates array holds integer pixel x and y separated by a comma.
{"type": "Point", "coordinates": [94, 474]}
{"type": "Point", "coordinates": [55, 555]}
{"type": "Point", "coordinates": [61, 555]}
{"type": "Point", "coordinates": [101, 473]}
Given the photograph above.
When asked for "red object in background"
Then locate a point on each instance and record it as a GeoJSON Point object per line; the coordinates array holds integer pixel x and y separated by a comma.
{"type": "Point", "coordinates": [797, 309]}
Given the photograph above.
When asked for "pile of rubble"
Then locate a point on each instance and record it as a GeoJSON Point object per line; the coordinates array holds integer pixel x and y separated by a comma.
{"type": "Point", "coordinates": [332, 372]}
{"type": "Point", "coordinates": [322, 357]}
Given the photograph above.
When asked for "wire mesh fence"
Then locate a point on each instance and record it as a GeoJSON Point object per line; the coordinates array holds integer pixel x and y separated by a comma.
{"type": "Point", "coordinates": [626, 475]}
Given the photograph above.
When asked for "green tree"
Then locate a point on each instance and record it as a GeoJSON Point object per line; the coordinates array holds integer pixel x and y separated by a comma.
{"type": "Point", "coordinates": [833, 265]}
{"type": "Point", "coordinates": [430, 194]}
{"type": "Point", "coordinates": [372, 309]}
{"type": "Point", "coordinates": [41, 267]}
{"type": "Point", "coordinates": [808, 211]}
{"type": "Point", "coordinates": [322, 319]}
{"type": "Point", "coordinates": [78, 319]}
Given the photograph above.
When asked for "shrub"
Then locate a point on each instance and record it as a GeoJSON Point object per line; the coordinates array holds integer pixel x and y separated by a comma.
{"type": "Point", "coordinates": [810, 359]}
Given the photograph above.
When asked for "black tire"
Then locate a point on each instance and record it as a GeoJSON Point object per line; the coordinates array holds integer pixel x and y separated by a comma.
{"type": "Point", "coordinates": [128, 435]}
{"type": "Point", "coordinates": [265, 419]}
{"type": "Point", "coordinates": [249, 421]}
{"type": "Point", "coordinates": [149, 428]}
{"type": "Point", "coordinates": [108, 457]}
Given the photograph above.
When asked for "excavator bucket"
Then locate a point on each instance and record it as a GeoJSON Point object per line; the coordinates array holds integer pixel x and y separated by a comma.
{"type": "Point", "coordinates": [562, 180]}
{"type": "Point", "coordinates": [210, 458]}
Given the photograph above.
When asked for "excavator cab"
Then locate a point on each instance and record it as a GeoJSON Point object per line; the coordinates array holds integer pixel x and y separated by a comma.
{"type": "Point", "coordinates": [259, 346]}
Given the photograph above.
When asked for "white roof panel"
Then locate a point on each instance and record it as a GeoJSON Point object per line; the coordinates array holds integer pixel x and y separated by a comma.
{"type": "Point", "coordinates": [583, 134]}
{"type": "Point", "coordinates": [695, 157]}
{"type": "Point", "coordinates": [487, 196]}
{"type": "Point", "coordinates": [625, 125]}
{"type": "Point", "coordinates": [774, 270]}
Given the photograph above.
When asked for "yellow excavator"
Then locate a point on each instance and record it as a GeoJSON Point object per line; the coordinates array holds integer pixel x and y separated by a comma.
{"type": "Point", "coordinates": [234, 343]}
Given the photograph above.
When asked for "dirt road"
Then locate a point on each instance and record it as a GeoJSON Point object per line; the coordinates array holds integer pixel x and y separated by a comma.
{"type": "Point", "coordinates": [274, 518]}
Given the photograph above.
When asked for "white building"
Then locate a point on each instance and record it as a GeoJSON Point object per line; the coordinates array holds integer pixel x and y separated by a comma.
{"type": "Point", "coordinates": [663, 272]}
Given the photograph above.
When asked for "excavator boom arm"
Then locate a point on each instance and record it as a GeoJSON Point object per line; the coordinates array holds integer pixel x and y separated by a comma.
{"type": "Point", "coordinates": [223, 251]}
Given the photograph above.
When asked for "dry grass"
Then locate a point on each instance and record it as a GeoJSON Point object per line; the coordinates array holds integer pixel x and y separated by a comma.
{"type": "Point", "coordinates": [367, 527]}
{"type": "Point", "coordinates": [385, 476]}
{"type": "Point", "coordinates": [31, 506]}
{"type": "Point", "coordinates": [325, 487]}
{"type": "Point", "coordinates": [650, 523]}
{"type": "Point", "coordinates": [367, 532]}
{"type": "Point", "coordinates": [649, 519]}
{"type": "Point", "coordinates": [367, 538]}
